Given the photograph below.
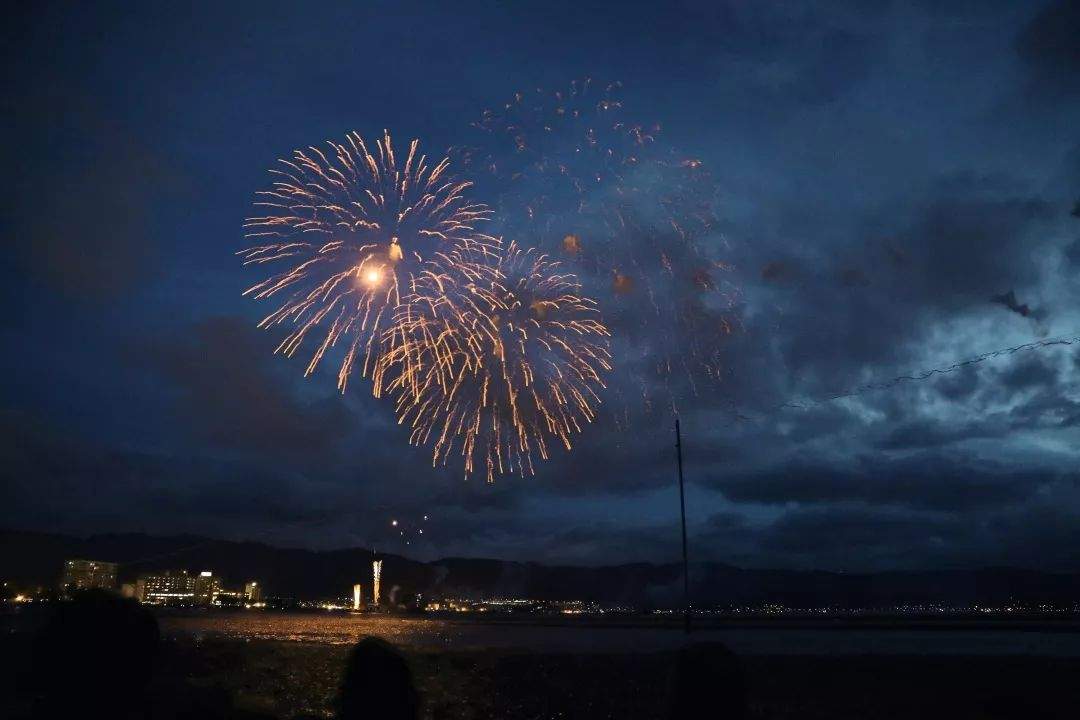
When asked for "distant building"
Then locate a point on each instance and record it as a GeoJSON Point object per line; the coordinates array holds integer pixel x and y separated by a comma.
{"type": "Point", "coordinates": [229, 598]}
{"type": "Point", "coordinates": [252, 592]}
{"type": "Point", "coordinates": [207, 588]}
{"type": "Point", "coordinates": [174, 587]}
{"type": "Point", "coordinates": [88, 574]}
{"type": "Point", "coordinates": [376, 571]}
{"type": "Point", "coordinates": [357, 596]}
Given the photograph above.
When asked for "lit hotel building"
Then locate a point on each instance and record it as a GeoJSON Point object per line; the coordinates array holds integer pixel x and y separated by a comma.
{"type": "Point", "coordinates": [252, 592]}
{"type": "Point", "coordinates": [169, 588]}
{"type": "Point", "coordinates": [88, 574]}
{"type": "Point", "coordinates": [207, 588]}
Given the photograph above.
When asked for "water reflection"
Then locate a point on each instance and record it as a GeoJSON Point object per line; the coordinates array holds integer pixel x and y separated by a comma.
{"type": "Point", "coordinates": [431, 633]}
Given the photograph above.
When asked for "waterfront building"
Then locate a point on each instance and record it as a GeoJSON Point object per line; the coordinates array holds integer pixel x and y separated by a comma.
{"type": "Point", "coordinates": [87, 575]}
{"type": "Point", "coordinates": [229, 598]}
{"type": "Point", "coordinates": [173, 587]}
{"type": "Point", "coordinates": [252, 592]}
{"type": "Point", "coordinates": [376, 571]}
{"type": "Point", "coordinates": [207, 588]}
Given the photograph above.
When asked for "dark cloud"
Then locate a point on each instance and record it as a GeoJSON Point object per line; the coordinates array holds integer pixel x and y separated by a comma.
{"type": "Point", "coordinates": [961, 8]}
{"type": "Point", "coordinates": [1009, 301]}
{"type": "Point", "coordinates": [897, 255]}
{"type": "Point", "coordinates": [47, 471]}
{"type": "Point", "coordinates": [1047, 46]}
{"type": "Point", "coordinates": [1042, 535]}
{"type": "Point", "coordinates": [1031, 372]}
{"type": "Point", "coordinates": [962, 245]}
{"type": "Point", "coordinates": [855, 538]}
{"type": "Point", "coordinates": [233, 392]}
{"type": "Point", "coordinates": [762, 55]}
{"type": "Point", "coordinates": [88, 226]}
{"type": "Point", "coordinates": [778, 271]}
{"type": "Point", "coordinates": [1072, 252]}
{"type": "Point", "coordinates": [1048, 408]}
{"type": "Point", "coordinates": [833, 531]}
{"type": "Point", "coordinates": [803, 55]}
{"type": "Point", "coordinates": [957, 247]}
{"type": "Point", "coordinates": [926, 480]}
{"type": "Point", "coordinates": [929, 433]}
{"type": "Point", "coordinates": [852, 278]}
{"type": "Point", "coordinates": [637, 460]}
{"type": "Point", "coordinates": [958, 385]}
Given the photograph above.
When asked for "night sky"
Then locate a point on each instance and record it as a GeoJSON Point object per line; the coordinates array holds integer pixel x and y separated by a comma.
{"type": "Point", "coordinates": [883, 170]}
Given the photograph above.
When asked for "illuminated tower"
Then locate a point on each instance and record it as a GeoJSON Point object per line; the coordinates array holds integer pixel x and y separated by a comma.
{"type": "Point", "coordinates": [207, 588]}
{"type": "Point", "coordinates": [252, 592]}
{"type": "Point", "coordinates": [356, 596]}
{"type": "Point", "coordinates": [376, 568]}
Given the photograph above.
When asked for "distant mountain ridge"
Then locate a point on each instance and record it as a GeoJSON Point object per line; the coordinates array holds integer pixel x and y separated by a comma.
{"type": "Point", "coordinates": [30, 557]}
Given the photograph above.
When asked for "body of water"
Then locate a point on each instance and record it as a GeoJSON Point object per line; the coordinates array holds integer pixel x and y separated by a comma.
{"type": "Point", "coordinates": [437, 633]}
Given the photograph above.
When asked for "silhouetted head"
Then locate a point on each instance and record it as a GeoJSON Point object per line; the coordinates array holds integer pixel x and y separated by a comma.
{"type": "Point", "coordinates": [707, 682]}
{"type": "Point", "coordinates": [377, 684]}
{"type": "Point", "coordinates": [94, 657]}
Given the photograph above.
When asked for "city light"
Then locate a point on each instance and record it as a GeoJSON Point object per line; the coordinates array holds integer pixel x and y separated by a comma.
{"type": "Point", "coordinates": [205, 589]}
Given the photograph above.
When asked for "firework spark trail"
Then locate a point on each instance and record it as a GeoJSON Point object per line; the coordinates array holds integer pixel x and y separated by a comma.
{"type": "Point", "coordinates": [496, 359]}
{"type": "Point", "coordinates": [353, 225]}
{"type": "Point", "coordinates": [634, 218]}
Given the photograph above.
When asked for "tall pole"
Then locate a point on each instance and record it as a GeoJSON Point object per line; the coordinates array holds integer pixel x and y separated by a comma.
{"type": "Point", "coordinates": [682, 508]}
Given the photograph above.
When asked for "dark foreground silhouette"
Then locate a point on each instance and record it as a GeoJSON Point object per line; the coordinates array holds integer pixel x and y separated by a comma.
{"type": "Point", "coordinates": [377, 683]}
{"type": "Point", "coordinates": [93, 658]}
{"type": "Point", "coordinates": [101, 656]}
{"type": "Point", "coordinates": [707, 682]}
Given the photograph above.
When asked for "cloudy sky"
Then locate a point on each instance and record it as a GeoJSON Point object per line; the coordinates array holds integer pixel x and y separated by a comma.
{"type": "Point", "coordinates": [895, 185]}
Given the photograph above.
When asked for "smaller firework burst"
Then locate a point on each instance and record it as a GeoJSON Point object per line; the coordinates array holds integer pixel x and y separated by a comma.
{"type": "Point", "coordinates": [497, 357]}
{"type": "Point", "coordinates": [576, 174]}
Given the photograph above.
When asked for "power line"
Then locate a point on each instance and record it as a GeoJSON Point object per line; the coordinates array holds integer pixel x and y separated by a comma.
{"type": "Point", "coordinates": [809, 403]}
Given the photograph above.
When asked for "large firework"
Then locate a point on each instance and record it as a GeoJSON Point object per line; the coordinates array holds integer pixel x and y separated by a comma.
{"type": "Point", "coordinates": [496, 359]}
{"type": "Point", "coordinates": [352, 225]}
{"type": "Point", "coordinates": [575, 177]}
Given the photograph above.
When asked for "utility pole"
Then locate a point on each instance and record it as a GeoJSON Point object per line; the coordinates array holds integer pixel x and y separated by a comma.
{"type": "Point", "coordinates": [682, 508]}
